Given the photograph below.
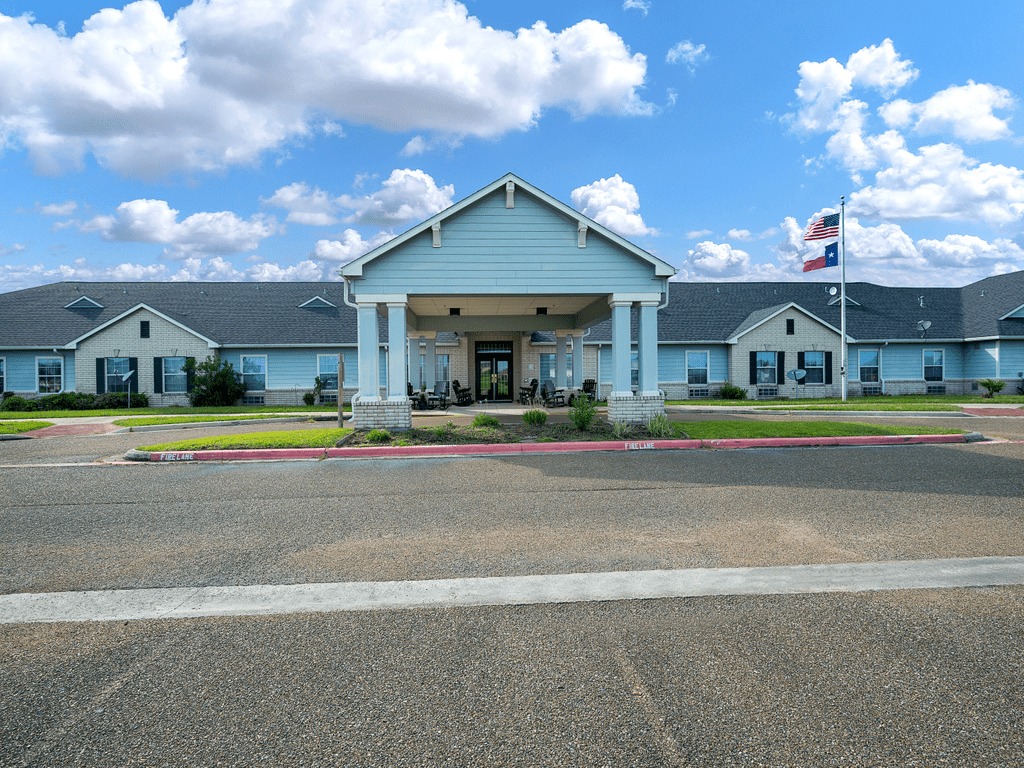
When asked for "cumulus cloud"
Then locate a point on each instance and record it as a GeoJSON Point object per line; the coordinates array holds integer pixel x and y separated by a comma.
{"type": "Point", "coordinates": [154, 221]}
{"type": "Point", "coordinates": [688, 54]}
{"type": "Point", "coordinates": [58, 209]}
{"type": "Point", "coordinates": [6, 250]}
{"type": "Point", "coordinates": [697, 234]}
{"type": "Point", "coordinates": [717, 260]}
{"type": "Point", "coordinates": [223, 81]}
{"type": "Point", "coordinates": [350, 246]}
{"type": "Point", "coordinates": [613, 203]}
{"type": "Point", "coordinates": [636, 5]}
{"type": "Point", "coordinates": [966, 111]}
{"type": "Point", "coordinates": [406, 195]}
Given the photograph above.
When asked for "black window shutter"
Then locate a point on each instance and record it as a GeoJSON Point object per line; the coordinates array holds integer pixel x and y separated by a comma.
{"type": "Point", "coordinates": [828, 367]}
{"type": "Point", "coordinates": [190, 378]}
{"type": "Point", "coordinates": [158, 375]}
{"type": "Point", "coordinates": [101, 375]}
{"type": "Point", "coordinates": [753, 367]}
{"type": "Point", "coordinates": [800, 365]}
{"type": "Point", "coordinates": [133, 380]}
{"type": "Point", "coordinates": [780, 372]}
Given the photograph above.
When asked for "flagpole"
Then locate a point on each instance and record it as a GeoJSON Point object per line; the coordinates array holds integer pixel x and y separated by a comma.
{"type": "Point", "coordinates": [842, 288]}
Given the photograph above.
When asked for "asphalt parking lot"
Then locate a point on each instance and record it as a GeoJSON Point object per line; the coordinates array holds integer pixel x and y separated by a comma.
{"type": "Point", "coordinates": [925, 677]}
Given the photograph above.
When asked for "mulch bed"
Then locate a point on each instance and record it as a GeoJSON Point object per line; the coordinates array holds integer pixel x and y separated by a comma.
{"type": "Point", "coordinates": [506, 433]}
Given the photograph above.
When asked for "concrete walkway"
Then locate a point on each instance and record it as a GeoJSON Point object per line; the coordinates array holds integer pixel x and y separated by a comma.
{"type": "Point", "coordinates": [176, 603]}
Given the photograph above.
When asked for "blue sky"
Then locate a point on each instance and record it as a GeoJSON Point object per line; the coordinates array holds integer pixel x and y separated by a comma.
{"type": "Point", "coordinates": [229, 140]}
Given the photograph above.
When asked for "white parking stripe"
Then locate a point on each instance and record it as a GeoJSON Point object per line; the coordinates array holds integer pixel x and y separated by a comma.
{"type": "Point", "coordinates": [131, 604]}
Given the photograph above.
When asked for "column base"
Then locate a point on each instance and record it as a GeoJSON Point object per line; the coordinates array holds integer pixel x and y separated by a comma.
{"type": "Point", "coordinates": [392, 415]}
{"type": "Point", "coordinates": [636, 409]}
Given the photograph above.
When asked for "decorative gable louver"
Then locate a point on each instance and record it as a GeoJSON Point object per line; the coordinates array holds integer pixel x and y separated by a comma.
{"type": "Point", "coordinates": [317, 301]}
{"type": "Point", "coordinates": [83, 302]}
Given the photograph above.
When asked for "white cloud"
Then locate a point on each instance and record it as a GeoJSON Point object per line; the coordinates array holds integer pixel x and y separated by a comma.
{"type": "Point", "coordinates": [224, 81]}
{"type": "Point", "coordinates": [58, 209]}
{"type": "Point", "coordinates": [880, 67]}
{"type": "Point", "coordinates": [613, 203]}
{"type": "Point", "coordinates": [406, 195]}
{"type": "Point", "coordinates": [697, 234]}
{"type": "Point", "coordinates": [739, 234]}
{"type": "Point", "coordinates": [966, 111]}
{"type": "Point", "coordinates": [415, 146]}
{"type": "Point", "coordinates": [636, 5]}
{"type": "Point", "coordinates": [687, 53]}
{"type": "Point", "coordinates": [154, 221]}
{"type": "Point", "coordinates": [7, 250]}
{"type": "Point", "coordinates": [717, 260]}
{"type": "Point", "coordinates": [351, 246]}
{"type": "Point", "coordinates": [304, 206]}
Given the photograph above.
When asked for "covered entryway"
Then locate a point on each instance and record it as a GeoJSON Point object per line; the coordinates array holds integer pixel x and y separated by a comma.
{"type": "Point", "coordinates": [497, 266]}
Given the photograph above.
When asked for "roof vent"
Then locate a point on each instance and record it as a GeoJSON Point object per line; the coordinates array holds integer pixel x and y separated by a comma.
{"type": "Point", "coordinates": [454, 311]}
{"type": "Point", "coordinates": [83, 302]}
{"type": "Point", "coordinates": [542, 310]}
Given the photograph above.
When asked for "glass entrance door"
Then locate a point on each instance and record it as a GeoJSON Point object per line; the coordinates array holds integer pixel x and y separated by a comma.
{"type": "Point", "coordinates": [493, 374]}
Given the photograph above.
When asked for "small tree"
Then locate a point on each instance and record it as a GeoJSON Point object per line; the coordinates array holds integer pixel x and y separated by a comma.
{"type": "Point", "coordinates": [582, 413]}
{"type": "Point", "coordinates": [215, 382]}
{"type": "Point", "coordinates": [992, 386]}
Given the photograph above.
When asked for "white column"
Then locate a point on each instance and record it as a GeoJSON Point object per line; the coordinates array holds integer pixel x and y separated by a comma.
{"type": "Point", "coordinates": [414, 361]}
{"type": "Point", "coordinates": [430, 362]}
{"type": "Point", "coordinates": [560, 359]}
{"type": "Point", "coordinates": [648, 345]}
{"type": "Point", "coordinates": [577, 360]}
{"type": "Point", "coordinates": [396, 352]}
{"type": "Point", "coordinates": [369, 351]}
{"type": "Point", "coordinates": [621, 347]}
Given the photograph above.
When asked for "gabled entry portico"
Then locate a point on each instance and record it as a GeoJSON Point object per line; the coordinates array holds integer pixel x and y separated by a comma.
{"type": "Point", "coordinates": [497, 266]}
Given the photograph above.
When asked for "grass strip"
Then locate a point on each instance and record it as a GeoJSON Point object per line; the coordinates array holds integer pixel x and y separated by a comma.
{"type": "Point", "coordinates": [17, 427]}
{"type": "Point", "coordinates": [299, 438]}
{"type": "Point", "coordinates": [728, 430]}
{"type": "Point", "coordinates": [150, 420]}
{"type": "Point", "coordinates": [174, 411]}
{"type": "Point", "coordinates": [881, 407]}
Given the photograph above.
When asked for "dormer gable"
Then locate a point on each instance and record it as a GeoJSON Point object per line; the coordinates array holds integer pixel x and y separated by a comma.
{"type": "Point", "coordinates": [317, 302]}
{"type": "Point", "coordinates": [83, 302]}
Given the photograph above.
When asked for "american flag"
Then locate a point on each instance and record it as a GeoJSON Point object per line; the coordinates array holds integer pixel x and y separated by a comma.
{"type": "Point", "coordinates": [823, 228]}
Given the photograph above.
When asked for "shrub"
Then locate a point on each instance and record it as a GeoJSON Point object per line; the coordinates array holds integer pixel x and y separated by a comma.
{"type": "Point", "coordinates": [992, 386]}
{"type": "Point", "coordinates": [621, 430]}
{"type": "Point", "coordinates": [18, 404]}
{"type": "Point", "coordinates": [659, 426]}
{"type": "Point", "coordinates": [485, 420]}
{"type": "Point", "coordinates": [535, 418]}
{"type": "Point", "coordinates": [309, 398]}
{"type": "Point", "coordinates": [582, 413]}
{"type": "Point", "coordinates": [5, 395]}
{"type": "Point", "coordinates": [729, 392]}
{"type": "Point", "coordinates": [442, 431]}
{"type": "Point", "coordinates": [378, 436]}
{"type": "Point", "coordinates": [215, 382]}
{"type": "Point", "coordinates": [67, 401]}
{"type": "Point", "coordinates": [114, 400]}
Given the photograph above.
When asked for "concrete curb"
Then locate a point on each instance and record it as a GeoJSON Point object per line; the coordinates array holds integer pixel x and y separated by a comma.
{"type": "Point", "coordinates": [499, 449]}
{"type": "Point", "coordinates": [16, 437]}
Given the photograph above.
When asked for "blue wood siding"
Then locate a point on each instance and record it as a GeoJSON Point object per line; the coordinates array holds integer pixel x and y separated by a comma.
{"type": "Point", "coordinates": [294, 368]}
{"type": "Point", "coordinates": [1011, 359]}
{"type": "Point", "coordinates": [672, 361]}
{"type": "Point", "coordinates": [981, 362]}
{"type": "Point", "coordinates": [21, 370]}
{"type": "Point", "coordinates": [491, 249]}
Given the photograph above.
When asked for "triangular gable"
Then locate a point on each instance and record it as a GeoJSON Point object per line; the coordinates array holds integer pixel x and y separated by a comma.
{"type": "Point", "coordinates": [317, 301]}
{"type": "Point", "coordinates": [75, 342]}
{"type": "Point", "coordinates": [83, 302]}
{"type": "Point", "coordinates": [759, 317]}
{"type": "Point", "coordinates": [355, 268]}
{"type": "Point", "coordinates": [849, 302]}
{"type": "Point", "coordinates": [1017, 314]}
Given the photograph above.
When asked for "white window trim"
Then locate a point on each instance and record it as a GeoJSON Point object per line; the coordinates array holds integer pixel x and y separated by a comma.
{"type": "Point", "coordinates": [773, 367]}
{"type": "Point", "coordinates": [318, 359]}
{"type": "Point", "coordinates": [878, 355]}
{"type": "Point", "coordinates": [686, 363]}
{"type": "Point", "coordinates": [924, 352]}
{"type": "Point", "coordinates": [807, 367]}
{"type": "Point", "coordinates": [164, 374]}
{"type": "Point", "coordinates": [49, 357]}
{"type": "Point", "coordinates": [108, 374]}
{"type": "Point", "coordinates": [266, 371]}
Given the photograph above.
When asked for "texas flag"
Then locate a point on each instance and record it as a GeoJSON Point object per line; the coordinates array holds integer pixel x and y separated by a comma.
{"type": "Point", "coordinates": [829, 259]}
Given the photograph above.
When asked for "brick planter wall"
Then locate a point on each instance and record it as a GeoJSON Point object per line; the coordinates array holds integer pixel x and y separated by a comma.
{"type": "Point", "coordinates": [392, 415]}
{"type": "Point", "coordinates": [635, 410]}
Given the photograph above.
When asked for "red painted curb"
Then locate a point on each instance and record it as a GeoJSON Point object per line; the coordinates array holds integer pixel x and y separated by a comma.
{"type": "Point", "coordinates": [483, 449]}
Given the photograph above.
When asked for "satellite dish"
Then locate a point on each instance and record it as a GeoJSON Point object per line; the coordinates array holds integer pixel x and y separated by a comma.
{"type": "Point", "coordinates": [924, 325]}
{"type": "Point", "coordinates": [796, 374]}
{"type": "Point", "coordinates": [832, 291]}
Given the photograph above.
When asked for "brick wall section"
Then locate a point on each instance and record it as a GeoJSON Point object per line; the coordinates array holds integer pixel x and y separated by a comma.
{"type": "Point", "coordinates": [634, 410]}
{"type": "Point", "coordinates": [392, 415]}
{"type": "Point", "coordinates": [165, 340]}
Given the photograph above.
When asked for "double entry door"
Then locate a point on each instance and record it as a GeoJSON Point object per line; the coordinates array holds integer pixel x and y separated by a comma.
{"type": "Point", "coordinates": [494, 371]}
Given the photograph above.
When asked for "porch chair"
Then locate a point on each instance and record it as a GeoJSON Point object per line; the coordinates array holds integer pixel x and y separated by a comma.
{"type": "Point", "coordinates": [590, 388]}
{"type": "Point", "coordinates": [463, 395]}
{"type": "Point", "coordinates": [528, 393]}
{"type": "Point", "coordinates": [552, 397]}
{"type": "Point", "coordinates": [439, 396]}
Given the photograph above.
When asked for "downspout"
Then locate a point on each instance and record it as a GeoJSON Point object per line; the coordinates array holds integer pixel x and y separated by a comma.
{"type": "Point", "coordinates": [881, 377]}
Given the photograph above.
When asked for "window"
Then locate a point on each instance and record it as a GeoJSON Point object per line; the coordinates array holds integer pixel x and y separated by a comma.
{"type": "Point", "coordinates": [814, 365]}
{"type": "Point", "coordinates": [549, 368]}
{"type": "Point", "coordinates": [117, 367]}
{"type": "Point", "coordinates": [441, 367]}
{"type": "Point", "coordinates": [254, 372]}
{"type": "Point", "coordinates": [327, 370]}
{"type": "Point", "coordinates": [144, 329]}
{"type": "Point", "coordinates": [175, 379]}
{"type": "Point", "coordinates": [790, 327]}
{"type": "Point", "coordinates": [868, 363]}
{"type": "Point", "coordinates": [49, 370]}
{"type": "Point", "coordinates": [766, 373]}
{"type": "Point", "coordinates": [933, 365]}
{"type": "Point", "coordinates": [697, 368]}
{"type": "Point", "coordinates": [3, 374]}
{"type": "Point", "coordinates": [634, 369]}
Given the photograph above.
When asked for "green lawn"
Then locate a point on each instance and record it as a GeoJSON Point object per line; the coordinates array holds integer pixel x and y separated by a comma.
{"type": "Point", "coordinates": [883, 403]}
{"type": "Point", "coordinates": [174, 411]}
{"type": "Point", "coordinates": [304, 438]}
{"type": "Point", "coordinates": [17, 427]}
{"type": "Point", "coordinates": [723, 430]}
